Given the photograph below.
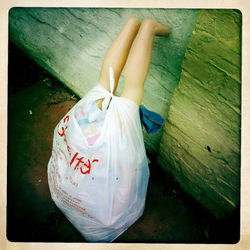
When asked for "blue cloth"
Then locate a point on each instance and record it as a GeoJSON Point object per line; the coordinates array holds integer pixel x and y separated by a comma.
{"type": "Point", "coordinates": [152, 121]}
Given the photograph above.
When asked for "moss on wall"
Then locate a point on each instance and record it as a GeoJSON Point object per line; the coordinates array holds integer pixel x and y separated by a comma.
{"type": "Point", "coordinates": [200, 145]}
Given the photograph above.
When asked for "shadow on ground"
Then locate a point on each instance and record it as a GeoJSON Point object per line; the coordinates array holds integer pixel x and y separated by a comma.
{"type": "Point", "coordinates": [36, 104]}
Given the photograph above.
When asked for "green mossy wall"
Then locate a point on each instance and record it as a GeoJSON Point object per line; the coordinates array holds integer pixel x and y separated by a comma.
{"type": "Point", "coordinates": [200, 145]}
{"type": "Point", "coordinates": [71, 42]}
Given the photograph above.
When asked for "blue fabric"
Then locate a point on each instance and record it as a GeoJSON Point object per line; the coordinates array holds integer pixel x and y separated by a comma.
{"type": "Point", "coordinates": [152, 121]}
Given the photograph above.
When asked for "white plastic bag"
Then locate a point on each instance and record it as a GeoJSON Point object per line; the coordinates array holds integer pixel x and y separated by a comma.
{"type": "Point", "coordinates": [100, 187]}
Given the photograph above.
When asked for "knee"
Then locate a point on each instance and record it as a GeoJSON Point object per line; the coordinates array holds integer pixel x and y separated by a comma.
{"type": "Point", "coordinates": [134, 20]}
{"type": "Point", "coordinates": [148, 26]}
{"type": "Point", "coordinates": [151, 25]}
{"type": "Point", "coordinates": [147, 23]}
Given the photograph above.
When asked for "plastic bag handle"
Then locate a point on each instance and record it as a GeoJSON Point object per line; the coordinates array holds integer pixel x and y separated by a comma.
{"type": "Point", "coordinates": [108, 98]}
{"type": "Point", "coordinates": [111, 80]}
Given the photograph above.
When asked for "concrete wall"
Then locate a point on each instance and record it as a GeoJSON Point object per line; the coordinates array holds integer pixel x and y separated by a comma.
{"type": "Point", "coordinates": [71, 44]}
{"type": "Point", "coordinates": [200, 145]}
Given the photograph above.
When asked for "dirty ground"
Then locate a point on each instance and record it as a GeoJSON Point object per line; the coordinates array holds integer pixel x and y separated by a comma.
{"type": "Point", "coordinates": [36, 103]}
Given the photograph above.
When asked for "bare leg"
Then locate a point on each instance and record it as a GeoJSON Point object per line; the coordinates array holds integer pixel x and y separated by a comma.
{"type": "Point", "coordinates": [117, 54]}
{"type": "Point", "coordinates": [138, 62]}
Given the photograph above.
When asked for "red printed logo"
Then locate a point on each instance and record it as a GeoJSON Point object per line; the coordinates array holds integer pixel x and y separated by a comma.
{"type": "Point", "coordinates": [82, 162]}
{"type": "Point", "coordinates": [66, 119]}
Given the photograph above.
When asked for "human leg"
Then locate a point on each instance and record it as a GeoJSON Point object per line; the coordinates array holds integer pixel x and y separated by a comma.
{"type": "Point", "coordinates": [139, 59]}
{"type": "Point", "coordinates": [117, 53]}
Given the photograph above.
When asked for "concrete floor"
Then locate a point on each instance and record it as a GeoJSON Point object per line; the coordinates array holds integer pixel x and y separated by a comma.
{"type": "Point", "coordinates": [36, 104]}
